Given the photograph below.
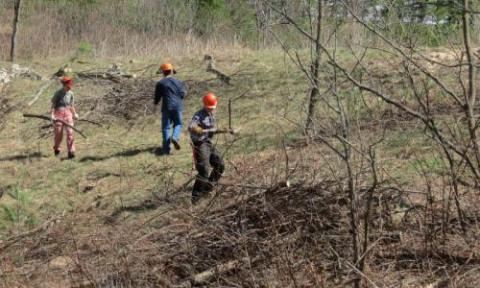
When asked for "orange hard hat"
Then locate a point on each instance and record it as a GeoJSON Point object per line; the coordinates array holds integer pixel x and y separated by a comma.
{"type": "Point", "coordinates": [210, 100]}
{"type": "Point", "coordinates": [67, 80]}
{"type": "Point", "coordinates": [167, 67]}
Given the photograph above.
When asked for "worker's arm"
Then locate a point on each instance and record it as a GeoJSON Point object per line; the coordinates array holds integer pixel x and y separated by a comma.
{"type": "Point", "coordinates": [74, 112]}
{"type": "Point", "coordinates": [183, 91]}
{"type": "Point", "coordinates": [194, 126]}
{"type": "Point", "coordinates": [158, 93]}
{"type": "Point", "coordinates": [72, 107]}
{"type": "Point", "coordinates": [52, 107]}
{"type": "Point", "coordinates": [199, 130]}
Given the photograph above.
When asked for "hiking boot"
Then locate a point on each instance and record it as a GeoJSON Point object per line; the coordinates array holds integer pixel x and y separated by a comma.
{"type": "Point", "coordinates": [56, 152]}
{"type": "Point", "coordinates": [161, 152]}
{"type": "Point", "coordinates": [71, 155]}
{"type": "Point", "coordinates": [176, 144]}
{"type": "Point", "coordinates": [194, 200]}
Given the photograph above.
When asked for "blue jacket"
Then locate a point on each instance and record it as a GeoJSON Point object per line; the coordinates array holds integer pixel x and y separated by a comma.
{"type": "Point", "coordinates": [171, 91]}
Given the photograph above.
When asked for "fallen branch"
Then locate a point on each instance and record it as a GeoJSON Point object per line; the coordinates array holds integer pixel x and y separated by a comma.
{"type": "Point", "coordinates": [43, 117]}
{"type": "Point", "coordinates": [211, 68]}
{"type": "Point", "coordinates": [12, 240]}
{"type": "Point", "coordinates": [205, 276]}
{"type": "Point", "coordinates": [113, 73]}
{"type": "Point", "coordinates": [40, 91]}
{"type": "Point", "coordinates": [91, 122]}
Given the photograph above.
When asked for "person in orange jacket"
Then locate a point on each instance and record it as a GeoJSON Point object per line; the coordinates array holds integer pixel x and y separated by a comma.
{"type": "Point", "coordinates": [63, 109]}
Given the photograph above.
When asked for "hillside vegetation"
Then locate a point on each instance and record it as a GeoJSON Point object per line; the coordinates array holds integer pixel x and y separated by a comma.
{"type": "Point", "coordinates": [356, 164]}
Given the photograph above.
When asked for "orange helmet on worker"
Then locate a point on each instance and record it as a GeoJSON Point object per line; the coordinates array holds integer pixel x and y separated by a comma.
{"type": "Point", "coordinates": [67, 82]}
{"type": "Point", "coordinates": [167, 69]}
{"type": "Point", "coordinates": [210, 101]}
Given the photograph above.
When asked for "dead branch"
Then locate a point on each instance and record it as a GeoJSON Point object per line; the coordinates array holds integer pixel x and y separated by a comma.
{"type": "Point", "coordinates": [205, 276]}
{"type": "Point", "coordinates": [211, 68]}
{"type": "Point", "coordinates": [230, 100]}
{"type": "Point", "coordinates": [40, 91]}
{"type": "Point", "coordinates": [14, 239]}
{"type": "Point", "coordinates": [91, 122]}
{"type": "Point", "coordinates": [114, 73]}
{"type": "Point", "coordinates": [43, 117]}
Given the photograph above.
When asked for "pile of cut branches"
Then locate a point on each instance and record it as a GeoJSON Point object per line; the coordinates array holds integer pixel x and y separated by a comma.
{"type": "Point", "coordinates": [114, 74]}
{"type": "Point", "coordinates": [279, 235]}
{"type": "Point", "coordinates": [128, 99]}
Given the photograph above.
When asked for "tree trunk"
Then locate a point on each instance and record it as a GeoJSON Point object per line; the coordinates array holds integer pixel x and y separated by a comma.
{"type": "Point", "coordinates": [262, 17]}
{"type": "Point", "coordinates": [15, 26]}
{"type": "Point", "coordinates": [314, 94]}
{"type": "Point", "coordinates": [470, 97]}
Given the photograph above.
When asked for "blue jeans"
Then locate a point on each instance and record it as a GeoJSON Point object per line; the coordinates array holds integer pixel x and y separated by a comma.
{"type": "Point", "coordinates": [170, 117]}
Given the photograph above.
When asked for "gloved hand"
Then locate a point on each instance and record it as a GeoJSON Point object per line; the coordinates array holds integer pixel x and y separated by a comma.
{"type": "Point", "coordinates": [52, 117]}
{"type": "Point", "coordinates": [197, 130]}
{"type": "Point", "coordinates": [225, 130]}
{"type": "Point", "coordinates": [75, 116]}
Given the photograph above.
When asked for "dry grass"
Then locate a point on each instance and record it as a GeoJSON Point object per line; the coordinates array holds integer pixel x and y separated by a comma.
{"type": "Point", "coordinates": [116, 227]}
{"type": "Point", "coordinates": [270, 237]}
{"type": "Point", "coordinates": [108, 30]}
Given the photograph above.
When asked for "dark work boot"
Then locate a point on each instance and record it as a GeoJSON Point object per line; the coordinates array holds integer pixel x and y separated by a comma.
{"type": "Point", "coordinates": [56, 152]}
{"type": "Point", "coordinates": [71, 155]}
{"type": "Point", "coordinates": [176, 144]}
{"type": "Point", "coordinates": [195, 199]}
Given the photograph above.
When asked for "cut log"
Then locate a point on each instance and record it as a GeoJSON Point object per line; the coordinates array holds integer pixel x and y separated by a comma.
{"type": "Point", "coordinates": [211, 68]}
{"type": "Point", "coordinates": [203, 277]}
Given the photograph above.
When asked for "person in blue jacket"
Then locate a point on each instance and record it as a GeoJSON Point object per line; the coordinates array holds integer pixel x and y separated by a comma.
{"type": "Point", "coordinates": [171, 92]}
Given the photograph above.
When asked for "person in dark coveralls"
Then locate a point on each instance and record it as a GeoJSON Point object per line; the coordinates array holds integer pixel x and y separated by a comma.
{"type": "Point", "coordinates": [171, 92]}
{"type": "Point", "coordinates": [202, 127]}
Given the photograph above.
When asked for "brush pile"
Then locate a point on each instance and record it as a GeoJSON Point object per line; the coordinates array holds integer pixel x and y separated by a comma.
{"type": "Point", "coordinates": [130, 99]}
{"type": "Point", "coordinates": [250, 236]}
{"type": "Point", "coordinates": [271, 238]}
{"type": "Point", "coordinates": [127, 99]}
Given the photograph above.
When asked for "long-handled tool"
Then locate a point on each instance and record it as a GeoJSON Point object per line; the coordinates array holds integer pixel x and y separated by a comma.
{"type": "Point", "coordinates": [43, 117]}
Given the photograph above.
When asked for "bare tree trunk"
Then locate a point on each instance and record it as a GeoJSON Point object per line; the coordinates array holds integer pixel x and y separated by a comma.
{"type": "Point", "coordinates": [314, 94]}
{"type": "Point", "coordinates": [15, 27]}
{"type": "Point", "coordinates": [347, 158]}
{"type": "Point", "coordinates": [263, 15]}
{"type": "Point", "coordinates": [470, 96]}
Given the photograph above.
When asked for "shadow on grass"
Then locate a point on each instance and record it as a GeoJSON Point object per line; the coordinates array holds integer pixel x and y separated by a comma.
{"type": "Point", "coordinates": [125, 153]}
{"type": "Point", "coordinates": [23, 157]}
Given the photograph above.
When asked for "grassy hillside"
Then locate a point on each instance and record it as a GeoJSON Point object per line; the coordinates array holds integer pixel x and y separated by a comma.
{"type": "Point", "coordinates": [119, 216]}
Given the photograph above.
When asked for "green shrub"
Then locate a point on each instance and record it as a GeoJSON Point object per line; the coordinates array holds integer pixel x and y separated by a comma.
{"type": "Point", "coordinates": [85, 48]}
{"type": "Point", "coordinates": [17, 212]}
